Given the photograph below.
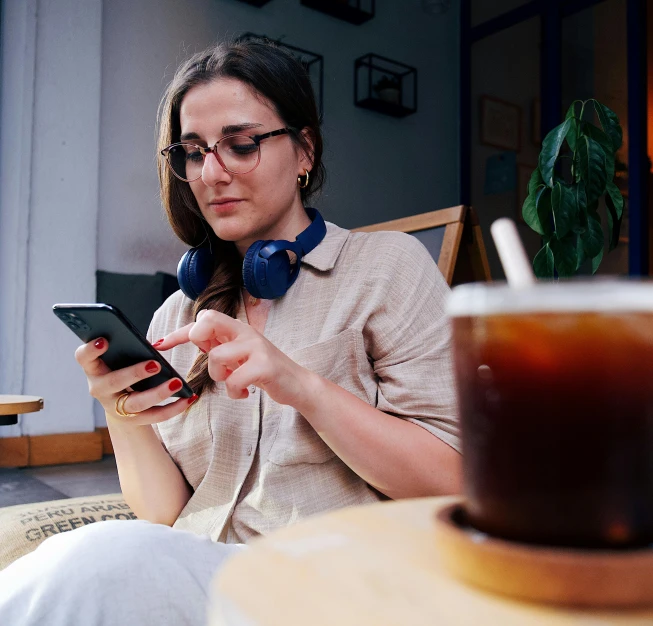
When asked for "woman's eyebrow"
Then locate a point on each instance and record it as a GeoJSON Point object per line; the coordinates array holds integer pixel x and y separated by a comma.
{"type": "Point", "coordinates": [187, 136]}
{"type": "Point", "coordinates": [231, 129]}
{"type": "Point", "coordinates": [236, 128]}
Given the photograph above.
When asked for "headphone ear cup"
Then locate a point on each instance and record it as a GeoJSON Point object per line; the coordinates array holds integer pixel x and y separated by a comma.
{"type": "Point", "coordinates": [279, 276]}
{"type": "Point", "coordinates": [194, 271]}
{"type": "Point", "coordinates": [249, 278]}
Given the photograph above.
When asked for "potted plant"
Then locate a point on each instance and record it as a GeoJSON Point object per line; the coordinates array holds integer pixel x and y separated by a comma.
{"type": "Point", "coordinates": [576, 169]}
{"type": "Point", "coordinates": [387, 89]}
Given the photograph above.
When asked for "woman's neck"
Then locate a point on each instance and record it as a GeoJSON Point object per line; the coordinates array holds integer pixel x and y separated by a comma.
{"type": "Point", "coordinates": [288, 228]}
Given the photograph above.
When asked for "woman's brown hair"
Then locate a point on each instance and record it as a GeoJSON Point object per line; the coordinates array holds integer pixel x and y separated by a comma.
{"type": "Point", "coordinates": [281, 80]}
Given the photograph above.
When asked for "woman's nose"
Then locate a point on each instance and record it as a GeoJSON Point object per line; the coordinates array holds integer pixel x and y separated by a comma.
{"type": "Point", "coordinates": [213, 172]}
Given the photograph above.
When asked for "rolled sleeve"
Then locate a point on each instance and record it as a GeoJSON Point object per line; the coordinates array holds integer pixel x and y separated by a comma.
{"type": "Point", "coordinates": [409, 339]}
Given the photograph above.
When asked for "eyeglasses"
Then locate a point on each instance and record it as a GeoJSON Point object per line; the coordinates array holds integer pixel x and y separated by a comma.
{"type": "Point", "coordinates": [238, 154]}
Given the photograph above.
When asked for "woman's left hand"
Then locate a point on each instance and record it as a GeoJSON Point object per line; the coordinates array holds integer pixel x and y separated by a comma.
{"type": "Point", "coordinates": [241, 356]}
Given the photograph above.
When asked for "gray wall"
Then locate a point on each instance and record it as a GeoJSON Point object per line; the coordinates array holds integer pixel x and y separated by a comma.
{"type": "Point", "coordinates": [378, 167]}
{"type": "Point", "coordinates": [48, 201]}
{"type": "Point", "coordinates": [81, 81]}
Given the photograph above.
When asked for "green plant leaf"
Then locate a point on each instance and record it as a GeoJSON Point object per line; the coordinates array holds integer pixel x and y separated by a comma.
{"type": "Point", "coordinates": [535, 181]}
{"type": "Point", "coordinates": [565, 254]}
{"type": "Point", "coordinates": [580, 251]}
{"type": "Point", "coordinates": [591, 163]}
{"type": "Point", "coordinates": [616, 197]}
{"type": "Point", "coordinates": [551, 149]}
{"type": "Point", "coordinates": [593, 237]}
{"type": "Point", "coordinates": [610, 124]}
{"type": "Point", "coordinates": [571, 111]}
{"type": "Point", "coordinates": [581, 199]}
{"type": "Point", "coordinates": [543, 262]}
{"type": "Point", "coordinates": [573, 133]}
{"type": "Point", "coordinates": [606, 143]}
{"type": "Point", "coordinates": [529, 213]}
{"type": "Point", "coordinates": [614, 223]}
{"type": "Point", "coordinates": [587, 128]}
{"type": "Point", "coordinates": [565, 210]}
{"type": "Point", "coordinates": [596, 261]}
{"type": "Point", "coordinates": [544, 210]}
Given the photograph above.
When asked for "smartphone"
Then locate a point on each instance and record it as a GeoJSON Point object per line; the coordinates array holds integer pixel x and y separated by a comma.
{"type": "Point", "coordinates": [127, 346]}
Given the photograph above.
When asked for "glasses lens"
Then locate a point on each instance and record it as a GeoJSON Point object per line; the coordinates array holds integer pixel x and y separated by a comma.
{"type": "Point", "coordinates": [186, 161]}
{"type": "Point", "coordinates": [239, 153]}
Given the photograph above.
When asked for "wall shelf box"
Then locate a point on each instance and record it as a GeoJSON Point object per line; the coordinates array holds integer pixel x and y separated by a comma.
{"type": "Point", "coordinates": [256, 3]}
{"type": "Point", "coordinates": [312, 62]}
{"type": "Point", "coordinates": [352, 11]}
{"type": "Point", "coordinates": [385, 86]}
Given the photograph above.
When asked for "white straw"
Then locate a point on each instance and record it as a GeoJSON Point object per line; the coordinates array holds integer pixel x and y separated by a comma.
{"type": "Point", "coordinates": [513, 257]}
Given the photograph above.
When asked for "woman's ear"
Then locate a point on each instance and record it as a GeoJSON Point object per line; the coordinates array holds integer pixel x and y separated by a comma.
{"type": "Point", "coordinates": [307, 151]}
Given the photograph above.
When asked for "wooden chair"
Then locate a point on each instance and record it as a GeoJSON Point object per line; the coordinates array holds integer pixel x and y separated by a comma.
{"type": "Point", "coordinates": [452, 236]}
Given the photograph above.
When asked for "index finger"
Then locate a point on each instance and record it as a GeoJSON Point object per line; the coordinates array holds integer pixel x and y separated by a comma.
{"type": "Point", "coordinates": [175, 338]}
{"type": "Point", "coordinates": [214, 328]}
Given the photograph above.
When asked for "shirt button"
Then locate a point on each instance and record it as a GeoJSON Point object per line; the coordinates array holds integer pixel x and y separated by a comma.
{"type": "Point", "coordinates": [249, 450]}
{"type": "Point", "coordinates": [252, 388]}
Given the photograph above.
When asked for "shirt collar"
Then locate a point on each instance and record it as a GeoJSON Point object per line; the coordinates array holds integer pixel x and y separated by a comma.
{"type": "Point", "coordinates": [324, 256]}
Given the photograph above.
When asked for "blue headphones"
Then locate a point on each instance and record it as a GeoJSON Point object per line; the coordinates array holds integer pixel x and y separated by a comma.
{"type": "Point", "coordinates": [267, 272]}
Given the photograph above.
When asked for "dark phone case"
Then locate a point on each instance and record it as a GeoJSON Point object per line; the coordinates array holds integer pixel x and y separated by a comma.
{"type": "Point", "coordinates": [127, 346]}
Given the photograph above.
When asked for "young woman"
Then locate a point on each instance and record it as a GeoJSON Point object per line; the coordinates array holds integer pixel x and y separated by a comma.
{"type": "Point", "coordinates": [333, 389]}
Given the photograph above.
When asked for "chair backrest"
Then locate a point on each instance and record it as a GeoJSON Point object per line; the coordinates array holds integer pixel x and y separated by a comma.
{"type": "Point", "coordinates": [452, 236]}
{"type": "Point", "coordinates": [138, 296]}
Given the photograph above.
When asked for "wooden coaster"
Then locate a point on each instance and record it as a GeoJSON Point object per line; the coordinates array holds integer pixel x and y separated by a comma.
{"type": "Point", "coordinates": [562, 576]}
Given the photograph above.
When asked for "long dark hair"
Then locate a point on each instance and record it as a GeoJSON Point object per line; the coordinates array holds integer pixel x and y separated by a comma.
{"type": "Point", "coordinates": [284, 82]}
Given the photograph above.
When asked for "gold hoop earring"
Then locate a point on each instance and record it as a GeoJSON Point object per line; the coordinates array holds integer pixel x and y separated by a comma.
{"type": "Point", "coordinates": [299, 180]}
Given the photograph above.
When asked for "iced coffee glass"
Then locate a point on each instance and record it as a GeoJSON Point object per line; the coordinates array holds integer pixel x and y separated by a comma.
{"type": "Point", "coordinates": [555, 385]}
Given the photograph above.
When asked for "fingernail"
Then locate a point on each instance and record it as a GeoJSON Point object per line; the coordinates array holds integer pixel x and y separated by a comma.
{"type": "Point", "coordinates": [175, 385]}
{"type": "Point", "coordinates": [158, 343]}
{"type": "Point", "coordinates": [201, 350]}
{"type": "Point", "coordinates": [193, 398]}
{"type": "Point", "coordinates": [99, 344]}
{"type": "Point", "coordinates": [152, 367]}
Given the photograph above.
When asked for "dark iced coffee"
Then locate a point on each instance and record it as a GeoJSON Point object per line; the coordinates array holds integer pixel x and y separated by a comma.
{"type": "Point", "coordinates": [556, 398]}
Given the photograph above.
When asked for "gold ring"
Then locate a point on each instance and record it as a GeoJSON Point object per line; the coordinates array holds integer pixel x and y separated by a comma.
{"type": "Point", "coordinates": [120, 405]}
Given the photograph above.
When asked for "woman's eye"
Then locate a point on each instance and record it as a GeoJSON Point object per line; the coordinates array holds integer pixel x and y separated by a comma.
{"type": "Point", "coordinates": [194, 157]}
{"type": "Point", "coordinates": [243, 148]}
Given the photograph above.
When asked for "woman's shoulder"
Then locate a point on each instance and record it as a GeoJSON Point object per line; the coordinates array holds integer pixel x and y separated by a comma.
{"type": "Point", "coordinates": [388, 249]}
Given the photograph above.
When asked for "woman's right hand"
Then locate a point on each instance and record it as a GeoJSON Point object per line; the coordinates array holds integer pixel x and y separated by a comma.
{"type": "Point", "coordinates": [107, 385]}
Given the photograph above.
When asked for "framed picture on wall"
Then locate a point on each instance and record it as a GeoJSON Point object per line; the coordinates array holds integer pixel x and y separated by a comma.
{"type": "Point", "coordinates": [524, 173]}
{"type": "Point", "coordinates": [500, 123]}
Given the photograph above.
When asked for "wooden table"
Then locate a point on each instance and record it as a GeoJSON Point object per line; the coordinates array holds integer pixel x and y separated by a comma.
{"type": "Point", "coordinates": [374, 565]}
{"type": "Point", "coordinates": [12, 406]}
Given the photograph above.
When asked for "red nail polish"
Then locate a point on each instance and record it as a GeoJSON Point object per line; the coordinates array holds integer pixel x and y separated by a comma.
{"type": "Point", "coordinates": [193, 398]}
{"type": "Point", "coordinates": [99, 344]}
{"type": "Point", "coordinates": [158, 343]}
{"type": "Point", "coordinates": [204, 351]}
{"type": "Point", "coordinates": [175, 385]}
{"type": "Point", "coordinates": [152, 367]}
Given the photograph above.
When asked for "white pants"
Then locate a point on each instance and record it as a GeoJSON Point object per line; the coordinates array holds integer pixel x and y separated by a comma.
{"type": "Point", "coordinates": [113, 572]}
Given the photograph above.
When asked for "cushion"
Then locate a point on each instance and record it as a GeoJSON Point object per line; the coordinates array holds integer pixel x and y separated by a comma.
{"type": "Point", "coordinates": [24, 527]}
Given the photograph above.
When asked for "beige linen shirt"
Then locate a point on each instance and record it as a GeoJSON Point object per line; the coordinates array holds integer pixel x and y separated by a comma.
{"type": "Point", "coordinates": [366, 312]}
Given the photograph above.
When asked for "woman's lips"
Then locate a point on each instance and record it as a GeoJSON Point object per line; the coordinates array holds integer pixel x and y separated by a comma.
{"type": "Point", "coordinates": [222, 206]}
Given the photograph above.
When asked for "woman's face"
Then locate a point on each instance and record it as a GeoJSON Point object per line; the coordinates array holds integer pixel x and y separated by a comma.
{"type": "Point", "coordinates": [262, 204]}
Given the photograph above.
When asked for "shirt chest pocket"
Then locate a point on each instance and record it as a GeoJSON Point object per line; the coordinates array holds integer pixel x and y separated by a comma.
{"type": "Point", "coordinates": [342, 360]}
